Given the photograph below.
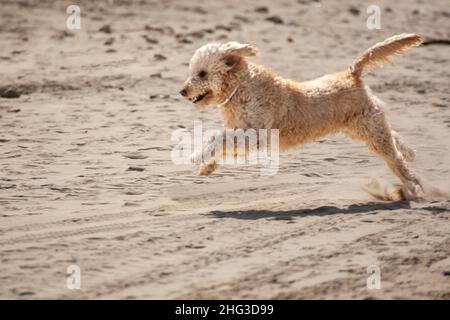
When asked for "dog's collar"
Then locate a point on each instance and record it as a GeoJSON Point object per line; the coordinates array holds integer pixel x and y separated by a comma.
{"type": "Point", "coordinates": [229, 98]}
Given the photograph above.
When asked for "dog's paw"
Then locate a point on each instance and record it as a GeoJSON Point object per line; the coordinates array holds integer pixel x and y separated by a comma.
{"type": "Point", "coordinates": [207, 169]}
{"type": "Point", "coordinates": [196, 157]}
{"type": "Point", "coordinates": [414, 191]}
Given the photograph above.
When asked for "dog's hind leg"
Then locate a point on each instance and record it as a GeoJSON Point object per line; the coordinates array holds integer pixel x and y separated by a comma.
{"type": "Point", "coordinates": [380, 138]}
{"type": "Point", "coordinates": [408, 153]}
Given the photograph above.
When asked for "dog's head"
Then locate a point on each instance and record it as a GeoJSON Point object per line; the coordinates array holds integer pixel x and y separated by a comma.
{"type": "Point", "coordinates": [214, 71]}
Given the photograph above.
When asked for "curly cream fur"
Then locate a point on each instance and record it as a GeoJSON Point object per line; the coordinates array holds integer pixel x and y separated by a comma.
{"type": "Point", "coordinates": [302, 111]}
{"type": "Point", "coordinates": [382, 51]}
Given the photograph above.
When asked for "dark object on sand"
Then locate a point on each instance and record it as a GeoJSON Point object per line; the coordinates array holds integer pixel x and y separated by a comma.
{"type": "Point", "coordinates": [105, 29]}
{"type": "Point", "coordinates": [9, 92]}
{"type": "Point", "coordinates": [135, 169]}
{"type": "Point", "coordinates": [430, 41]}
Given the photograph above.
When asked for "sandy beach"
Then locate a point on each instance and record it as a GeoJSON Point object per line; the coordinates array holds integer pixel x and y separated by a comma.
{"type": "Point", "coordinates": [87, 179]}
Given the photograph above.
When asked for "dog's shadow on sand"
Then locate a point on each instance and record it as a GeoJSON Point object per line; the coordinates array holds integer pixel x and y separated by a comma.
{"type": "Point", "coordinates": [369, 208]}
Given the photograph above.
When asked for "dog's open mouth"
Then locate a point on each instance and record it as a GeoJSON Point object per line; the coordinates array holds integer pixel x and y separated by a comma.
{"type": "Point", "coordinates": [200, 97]}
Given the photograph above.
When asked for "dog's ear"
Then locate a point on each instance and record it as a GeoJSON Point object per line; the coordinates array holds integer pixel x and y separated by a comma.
{"type": "Point", "coordinates": [236, 48]}
{"type": "Point", "coordinates": [231, 60]}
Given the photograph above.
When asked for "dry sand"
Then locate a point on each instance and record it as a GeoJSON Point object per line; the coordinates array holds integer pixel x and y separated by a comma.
{"type": "Point", "coordinates": [97, 101]}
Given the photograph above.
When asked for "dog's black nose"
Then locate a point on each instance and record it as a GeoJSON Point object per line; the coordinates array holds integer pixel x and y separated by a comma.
{"type": "Point", "coordinates": [183, 93]}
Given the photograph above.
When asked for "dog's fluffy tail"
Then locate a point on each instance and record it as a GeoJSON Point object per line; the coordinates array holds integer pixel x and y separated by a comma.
{"type": "Point", "coordinates": [382, 51]}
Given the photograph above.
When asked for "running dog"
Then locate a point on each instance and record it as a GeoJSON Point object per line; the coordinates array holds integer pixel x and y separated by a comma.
{"type": "Point", "coordinates": [252, 96]}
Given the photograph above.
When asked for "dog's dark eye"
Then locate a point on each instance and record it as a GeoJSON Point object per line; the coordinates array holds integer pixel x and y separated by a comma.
{"type": "Point", "coordinates": [202, 74]}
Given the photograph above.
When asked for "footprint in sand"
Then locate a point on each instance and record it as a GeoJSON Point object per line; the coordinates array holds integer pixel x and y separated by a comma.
{"type": "Point", "coordinates": [135, 156]}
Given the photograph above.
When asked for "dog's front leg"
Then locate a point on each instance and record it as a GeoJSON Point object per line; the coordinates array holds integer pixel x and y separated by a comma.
{"type": "Point", "coordinates": [208, 155]}
{"type": "Point", "coordinates": [207, 169]}
{"type": "Point", "coordinates": [218, 148]}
